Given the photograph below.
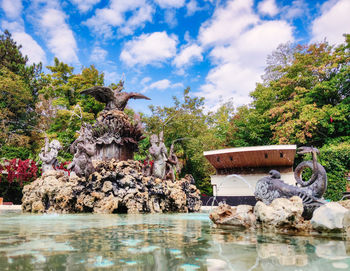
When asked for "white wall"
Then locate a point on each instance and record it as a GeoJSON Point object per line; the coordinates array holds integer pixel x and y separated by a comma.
{"type": "Point", "coordinates": [228, 185]}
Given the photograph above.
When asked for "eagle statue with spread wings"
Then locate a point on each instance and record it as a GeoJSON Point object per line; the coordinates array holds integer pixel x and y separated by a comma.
{"type": "Point", "coordinates": [113, 98]}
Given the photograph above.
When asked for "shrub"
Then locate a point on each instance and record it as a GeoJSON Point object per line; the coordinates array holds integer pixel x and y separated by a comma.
{"type": "Point", "coordinates": [336, 160]}
{"type": "Point", "coordinates": [14, 174]}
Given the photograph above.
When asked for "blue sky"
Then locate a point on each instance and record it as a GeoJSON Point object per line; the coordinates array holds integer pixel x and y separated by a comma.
{"type": "Point", "coordinates": [218, 48]}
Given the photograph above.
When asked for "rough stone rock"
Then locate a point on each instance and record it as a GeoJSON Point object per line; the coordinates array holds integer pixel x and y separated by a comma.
{"type": "Point", "coordinates": [114, 187]}
{"type": "Point", "coordinates": [331, 217]}
{"type": "Point", "coordinates": [345, 203]}
{"type": "Point", "coordinates": [281, 213]}
{"type": "Point", "coordinates": [240, 216]}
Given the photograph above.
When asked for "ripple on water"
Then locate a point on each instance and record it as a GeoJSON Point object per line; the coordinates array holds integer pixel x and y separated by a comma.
{"type": "Point", "coordinates": [189, 267]}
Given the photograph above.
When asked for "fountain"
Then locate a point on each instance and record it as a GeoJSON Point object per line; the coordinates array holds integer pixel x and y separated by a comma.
{"type": "Point", "coordinates": [104, 177]}
{"type": "Point", "coordinates": [288, 208]}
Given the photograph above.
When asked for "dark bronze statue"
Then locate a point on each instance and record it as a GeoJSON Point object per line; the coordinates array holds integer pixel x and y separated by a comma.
{"type": "Point", "coordinates": [114, 99]}
{"type": "Point", "coordinates": [84, 149]}
{"type": "Point", "coordinates": [272, 187]}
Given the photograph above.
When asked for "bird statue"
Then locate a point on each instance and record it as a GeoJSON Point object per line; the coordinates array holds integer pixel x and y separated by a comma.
{"type": "Point", "coordinates": [113, 98]}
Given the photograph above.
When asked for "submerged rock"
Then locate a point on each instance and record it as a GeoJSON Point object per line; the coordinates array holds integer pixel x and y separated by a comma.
{"type": "Point", "coordinates": [114, 187]}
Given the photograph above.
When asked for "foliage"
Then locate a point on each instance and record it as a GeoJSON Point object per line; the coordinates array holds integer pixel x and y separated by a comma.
{"type": "Point", "coordinates": [13, 175]}
{"type": "Point", "coordinates": [63, 110]}
{"type": "Point", "coordinates": [336, 160]}
{"type": "Point", "coordinates": [19, 83]}
{"type": "Point", "coordinates": [192, 131]}
{"type": "Point", "coordinates": [304, 98]}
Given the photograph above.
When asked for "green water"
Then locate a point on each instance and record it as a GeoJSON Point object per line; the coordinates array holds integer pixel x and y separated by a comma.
{"type": "Point", "coordinates": [156, 242]}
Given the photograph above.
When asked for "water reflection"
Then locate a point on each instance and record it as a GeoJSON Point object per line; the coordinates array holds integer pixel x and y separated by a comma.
{"type": "Point", "coordinates": [156, 242]}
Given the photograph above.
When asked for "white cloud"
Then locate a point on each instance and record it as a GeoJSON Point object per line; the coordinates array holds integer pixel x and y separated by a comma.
{"type": "Point", "coordinates": [333, 22]}
{"type": "Point", "coordinates": [30, 47]}
{"type": "Point", "coordinates": [12, 8]}
{"type": "Point", "coordinates": [170, 17]}
{"type": "Point", "coordinates": [170, 3]}
{"type": "Point", "coordinates": [188, 54]}
{"type": "Point", "coordinates": [105, 20]}
{"type": "Point", "coordinates": [85, 5]}
{"type": "Point", "coordinates": [239, 57]}
{"type": "Point", "coordinates": [268, 7]}
{"type": "Point", "coordinates": [147, 49]}
{"type": "Point", "coordinates": [145, 80]}
{"type": "Point", "coordinates": [228, 22]}
{"type": "Point", "coordinates": [192, 7]}
{"type": "Point", "coordinates": [98, 54]}
{"type": "Point", "coordinates": [111, 77]}
{"type": "Point", "coordinates": [161, 85]}
{"type": "Point", "coordinates": [297, 9]}
{"type": "Point", "coordinates": [59, 36]}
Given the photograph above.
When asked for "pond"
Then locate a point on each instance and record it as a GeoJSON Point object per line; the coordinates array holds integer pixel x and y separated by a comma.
{"type": "Point", "coordinates": [156, 242]}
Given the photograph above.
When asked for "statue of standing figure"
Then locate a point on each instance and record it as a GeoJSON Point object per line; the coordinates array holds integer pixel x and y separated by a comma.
{"type": "Point", "coordinates": [172, 166]}
{"type": "Point", "coordinates": [49, 154]}
{"type": "Point", "coordinates": [164, 165]}
{"type": "Point", "coordinates": [159, 155]}
{"type": "Point", "coordinates": [84, 149]}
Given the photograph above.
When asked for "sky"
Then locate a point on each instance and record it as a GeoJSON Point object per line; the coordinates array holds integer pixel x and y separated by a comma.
{"type": "Point", "coordinates": [217, 48]}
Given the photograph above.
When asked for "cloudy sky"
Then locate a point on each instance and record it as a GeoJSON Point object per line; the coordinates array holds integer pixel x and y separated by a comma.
{"type": "Point", "coordinates": [218, 48]}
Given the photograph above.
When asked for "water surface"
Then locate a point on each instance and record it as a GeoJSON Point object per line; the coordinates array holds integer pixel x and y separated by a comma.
{"type": "Point", "coordinates": [156, 242]}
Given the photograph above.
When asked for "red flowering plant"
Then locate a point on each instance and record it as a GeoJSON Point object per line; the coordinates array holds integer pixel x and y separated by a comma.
{"type": "Point", "coordinates": [63, 166]}
{"type": "Point", "coordinates": [13, 175]}
{"type": "Point", "coordinates": [20, 171]}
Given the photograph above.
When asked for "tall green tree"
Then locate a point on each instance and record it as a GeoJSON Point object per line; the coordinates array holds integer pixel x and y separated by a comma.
{"type": "Point", "coordinates": [195, 131]}
{"type": "Point", "coordinates": [19, 85]}
{"type": "Point", "coordinates": [64, 108]}
{"type": "Point", "coordinates": [304, 98]}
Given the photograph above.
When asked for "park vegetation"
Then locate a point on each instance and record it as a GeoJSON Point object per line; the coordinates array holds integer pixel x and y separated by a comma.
{"type": "Point", "coordinates": [303, 99]}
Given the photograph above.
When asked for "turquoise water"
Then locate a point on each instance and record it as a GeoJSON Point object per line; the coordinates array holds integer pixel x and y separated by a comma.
{"type": "Point", "coordinates": [156, 242]}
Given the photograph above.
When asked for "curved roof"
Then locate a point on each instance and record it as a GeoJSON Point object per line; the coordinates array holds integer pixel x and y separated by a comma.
{"type": "Point", "coordinates": [257, 156]}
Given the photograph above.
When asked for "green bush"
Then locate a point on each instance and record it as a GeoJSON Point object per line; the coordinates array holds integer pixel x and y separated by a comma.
{"type": "Point", "coordinates": [11, 152]}
{"type": "Point", "coordinates": [336, 160]}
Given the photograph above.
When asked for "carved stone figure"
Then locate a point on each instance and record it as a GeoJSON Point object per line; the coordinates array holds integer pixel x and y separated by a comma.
{"type": "Point", "coordinates": [172, 165]}
{"type": "Point", "coordinates": [49, 154]}
{"type": "Point", "coordinates": [158, 153]}
{"type": "Point", "coordinates": [114, 99]}
{"type": "Point", "coordinates": [272, 187]}
{"type": "Point", "coordinates": [83, 148]}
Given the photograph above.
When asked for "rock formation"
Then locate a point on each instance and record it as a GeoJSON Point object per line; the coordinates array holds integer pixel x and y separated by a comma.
{"type": "Point", "coordinates": [114, 187]}
{"type": "Point", "coordinates": [104, 179]}
{"type": "Point", "coordinates": [282, 215]}
{"type": "Point", "coordinates": [239, 216]}
{"type": "Point", "coordinates": [331, 217]}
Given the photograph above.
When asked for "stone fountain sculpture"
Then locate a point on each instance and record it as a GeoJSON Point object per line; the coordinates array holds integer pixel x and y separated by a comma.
{"type": "Point", "coordinates": [49, 154]}
{"type": "Point", "coordinates": [115, 136]}
{"type": "Point", "coordinates": [272, 187]}
{"type": "Point", "coordinates": [106, 179]}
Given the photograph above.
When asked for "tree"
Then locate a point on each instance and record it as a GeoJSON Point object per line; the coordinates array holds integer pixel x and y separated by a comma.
{"type": "Point", "coordinates": [304, 98]}
{"type": "Point", "coordinates": [62, 108]}
{"type": "Point", "coordinates": [195, 131]}
{"type": "Point", "coordinates": [19, 83]}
